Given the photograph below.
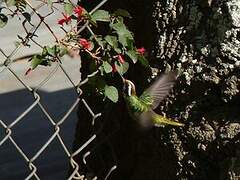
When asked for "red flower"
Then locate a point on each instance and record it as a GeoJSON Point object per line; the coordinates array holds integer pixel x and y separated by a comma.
{"type": "Point", "coordinates": [85, 43]}
{"type": "Point", "coordinates": [66, 19]}
{"type": "Point", "coordinates": [61, 21]}
{"type": "Point", "coordinates": [141, 50]}
{"type": "Point", "coordinates": [120, 59]}
{"type": "Point", "coordinates": [114, 69]}
{"type": "Point", "coordinates": [78, 10]}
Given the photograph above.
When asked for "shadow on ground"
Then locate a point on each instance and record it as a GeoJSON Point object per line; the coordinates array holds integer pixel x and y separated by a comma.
{"type": "Point", "coordinates": [32, 132]}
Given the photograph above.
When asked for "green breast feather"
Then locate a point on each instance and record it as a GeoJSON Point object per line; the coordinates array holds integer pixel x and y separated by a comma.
{"type": "Point", "coordinates": [139, 104]}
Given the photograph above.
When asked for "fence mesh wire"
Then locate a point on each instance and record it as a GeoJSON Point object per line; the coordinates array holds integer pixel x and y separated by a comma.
{"type": "Point", "coordinates": [55, 123]}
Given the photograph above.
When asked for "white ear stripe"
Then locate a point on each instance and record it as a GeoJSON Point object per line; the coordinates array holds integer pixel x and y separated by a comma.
{"type": "Point", "coordinates": [129, 89]}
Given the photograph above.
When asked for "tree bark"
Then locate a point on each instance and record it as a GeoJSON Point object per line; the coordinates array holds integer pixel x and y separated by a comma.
{"type": "Point", "coordinates": [202, 40]}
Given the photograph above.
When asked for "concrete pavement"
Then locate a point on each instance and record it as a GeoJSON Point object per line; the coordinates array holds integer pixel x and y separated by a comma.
{"type": "Point", "coordinates": [57, 95]}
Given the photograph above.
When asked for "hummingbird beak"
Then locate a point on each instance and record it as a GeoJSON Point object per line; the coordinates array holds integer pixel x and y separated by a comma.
{"type": "Point", "coordinates": [123, 79]}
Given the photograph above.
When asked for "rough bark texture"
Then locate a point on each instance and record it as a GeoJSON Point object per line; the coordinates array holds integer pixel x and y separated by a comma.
{"type": "Point", "coordinates": [201, 39]}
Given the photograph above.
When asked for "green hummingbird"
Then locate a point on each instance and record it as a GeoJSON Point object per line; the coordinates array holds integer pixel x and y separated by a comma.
{"type": "Point", "coordinates": [142, 108]}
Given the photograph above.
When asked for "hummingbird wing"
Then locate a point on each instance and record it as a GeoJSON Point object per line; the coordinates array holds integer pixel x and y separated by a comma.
{"type": "Point", "coordinates": [145, 119]}
{"type": "Point", "coordinates": [159, 89]}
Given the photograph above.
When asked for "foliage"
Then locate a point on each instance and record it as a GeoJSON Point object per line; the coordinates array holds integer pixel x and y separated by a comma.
{"type": "Point", "coordinates": [110, 54]}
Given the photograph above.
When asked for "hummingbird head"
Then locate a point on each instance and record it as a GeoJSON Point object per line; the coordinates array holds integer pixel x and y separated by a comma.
{"type": "Point", "coordinates": [128, 88]}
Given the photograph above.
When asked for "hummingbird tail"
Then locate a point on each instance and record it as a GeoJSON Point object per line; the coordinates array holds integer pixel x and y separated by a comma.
{"type": "Point", "coordinates": [161, 120]}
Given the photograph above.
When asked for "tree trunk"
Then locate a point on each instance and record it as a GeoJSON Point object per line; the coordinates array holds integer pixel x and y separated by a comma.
{"type": "Point", "coordinates": [201, 39]}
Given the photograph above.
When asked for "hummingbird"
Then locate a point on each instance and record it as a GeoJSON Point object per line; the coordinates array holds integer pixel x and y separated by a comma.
{"type": "Point", "coordinates": [142, 108]}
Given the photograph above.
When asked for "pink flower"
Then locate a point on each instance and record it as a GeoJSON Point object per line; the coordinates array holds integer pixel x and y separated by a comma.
{"type": "Point", "coordinates": [85, 43]}
{"type": "Point", "coordinates": [141, 50]}
{"type": "Point", "coordinates": [120, 59]}
{"type": "Point", "coordinates": [78, 10]}
{"type": "Point", "coordinates": [66, 19]}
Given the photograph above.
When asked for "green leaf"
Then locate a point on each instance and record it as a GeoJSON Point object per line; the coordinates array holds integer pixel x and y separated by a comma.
{"type": "Point", "coordinates": [36, 60]}
{"type": "Point", "coordinates": [100, 15]}
{"type": "Point", "coordinates": [130, 44]}
{"type": "Point", "coordinates": [10, 2]}
{"type": "Point", "coordinates": [63, 51]}
{"type": "Point", "coordinates": [107, 67]}
{"type": "Point", "coordinates": [124, 34]}
{"type": "Point", "coordinates": [125, 67]}
{"type": "Point", "coordinates": [27, 16]}
{"type": "Point", "coordinates": [100, 41]}
{"type": "Point", "coordinates": [97, 81]}
{"type": "Point", "coordinates": [49, 2]}
{"type": "Point", "coordinates": [132, 55]}
{"type": "Point", "coordinates": [123, 13]}
{"type": "Point", "coordinates": [53, 51]}
{"type": "Point", "coordinates": [120, 27]}
{"type": "Point", "coordinates": [118, 50]}
{"type": "Point", "coordinates": [112, 40]}
{"type": "Point", "coordinates": [123, 40]}
{"type": "Point", "coordinates": [92, 21]}
{"type": "Point", "coordinates": [143, 60]}
{"type": "Point", "coordinates": [122, 68]}
{"type": "Point", "coordinates": [44, 51]}
{"type": "Point", "coordinates": [111, 93]}
{"type": "Point", "coordinates": [3, 20]}
{"type": "Point", "coordinates": [68, 8]}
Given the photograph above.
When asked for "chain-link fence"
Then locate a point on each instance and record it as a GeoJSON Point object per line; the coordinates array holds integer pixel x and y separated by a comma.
{"type": "Point", "coordinates": [56, 124]}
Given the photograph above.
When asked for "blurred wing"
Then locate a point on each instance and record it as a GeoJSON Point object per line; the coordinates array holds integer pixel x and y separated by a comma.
{"type": "Point", "coordinates": [160, 88]}
{"type": "Point", "coordinates": [145, 120]}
